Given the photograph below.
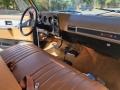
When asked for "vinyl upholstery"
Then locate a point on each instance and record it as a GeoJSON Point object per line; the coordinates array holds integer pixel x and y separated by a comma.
{"type": "Point", "coordinates": [51, 73]}
{"type": "Point", "coordinates": [7, 80]}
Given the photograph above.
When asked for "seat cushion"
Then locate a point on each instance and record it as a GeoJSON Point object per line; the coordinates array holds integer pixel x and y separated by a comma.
{"type": "Point", "coordinates": [7, 80]}
{"type": "Point", "coordinates": [48, 71]}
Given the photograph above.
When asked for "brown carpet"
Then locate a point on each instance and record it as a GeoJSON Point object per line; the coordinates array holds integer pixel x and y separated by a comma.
{"type": "Point", "coordinates": [107, 68]}
{"type": "Point", "coordinates": [104, 67]}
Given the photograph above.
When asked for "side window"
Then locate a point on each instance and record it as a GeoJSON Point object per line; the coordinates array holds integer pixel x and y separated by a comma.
{"type": "Point", "coordinates": [8, 4]}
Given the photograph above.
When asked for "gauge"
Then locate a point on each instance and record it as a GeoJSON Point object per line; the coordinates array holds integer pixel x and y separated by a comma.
{"type": "Point", "coordinates": [44, 19]}
{"type": "Point", "coordinates": [50, 20]}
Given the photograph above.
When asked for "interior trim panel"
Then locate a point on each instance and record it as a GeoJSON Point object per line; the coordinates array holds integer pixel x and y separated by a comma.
{"type": "Point", "coordinates": [109, 35]}
{"type": "Point", "coordinates": [108, 48]}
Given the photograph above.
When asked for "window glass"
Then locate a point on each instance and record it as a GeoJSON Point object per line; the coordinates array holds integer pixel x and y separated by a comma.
{"type": "Point", "coordinates": [8, 4]}
{"type": "Point", "coordinates": [13, 6]}
{"type": "Point", "coordinates": [84, 6]}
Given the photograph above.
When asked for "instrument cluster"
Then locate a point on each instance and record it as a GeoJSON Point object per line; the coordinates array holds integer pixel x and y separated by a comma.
{"type": "Point", "coordinates": [49, 22]}
{"type": "Point", "coordinates": [48, 19]}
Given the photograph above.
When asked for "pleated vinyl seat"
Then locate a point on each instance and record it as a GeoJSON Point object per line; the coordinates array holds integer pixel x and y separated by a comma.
{"type": "Point", "coordinates": [48, 71]}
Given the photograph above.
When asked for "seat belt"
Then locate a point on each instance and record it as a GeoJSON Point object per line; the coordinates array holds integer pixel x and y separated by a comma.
{"type": "Point", "coordinates": [28, 84]}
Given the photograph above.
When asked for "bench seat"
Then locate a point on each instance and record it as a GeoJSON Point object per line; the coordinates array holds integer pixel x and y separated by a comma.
{"type": "Point", "coordinates": [48, 71]}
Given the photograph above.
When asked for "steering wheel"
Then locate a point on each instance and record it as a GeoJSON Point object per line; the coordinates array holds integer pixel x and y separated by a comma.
{"type": "Point", "coordinates": [31, 14]}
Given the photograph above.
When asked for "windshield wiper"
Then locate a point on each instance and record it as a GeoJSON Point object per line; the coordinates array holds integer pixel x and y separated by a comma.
{"type": "Point", "coordinates": [107, 11]}
{"type": "Point", "coordinates": [110, 10]}
{"type": "Point", "coordinates": [69, 11]}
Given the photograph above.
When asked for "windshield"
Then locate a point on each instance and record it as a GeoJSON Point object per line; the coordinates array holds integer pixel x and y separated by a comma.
{"type": "Point", "coordinates": [84, 6]}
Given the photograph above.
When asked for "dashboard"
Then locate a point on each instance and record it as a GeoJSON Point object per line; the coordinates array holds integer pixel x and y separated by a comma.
{"type": "Point", "coordinates": [100, 27]}
{"type": "Point", "coordinates": [98, 32]}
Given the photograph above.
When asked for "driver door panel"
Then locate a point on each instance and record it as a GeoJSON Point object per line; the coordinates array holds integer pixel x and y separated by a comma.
{"type": "Point", "coordinates": [9, 28]}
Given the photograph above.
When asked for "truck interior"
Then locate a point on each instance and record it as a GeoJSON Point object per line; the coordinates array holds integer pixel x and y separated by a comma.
{"type": "Point", "coordinates": [59, 44]}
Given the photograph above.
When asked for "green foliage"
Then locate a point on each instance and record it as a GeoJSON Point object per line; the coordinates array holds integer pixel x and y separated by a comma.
{"type": "Point", "coordinates": [8, 4]}
{"type": "Point", "coordinates": [53, 4]}
{"type": "Point", "coordinates": [63, 4]}
{"type": "Point", "coordinates": [109, 3]}
{"type": "Point", "coordinates": [42, 4]}
{"type": "Point", "coordinates": [60, 4]}
{"type": "Point", "coordinates": [88, 1]}
{"type": "Point", "coordinates": [67, 4]}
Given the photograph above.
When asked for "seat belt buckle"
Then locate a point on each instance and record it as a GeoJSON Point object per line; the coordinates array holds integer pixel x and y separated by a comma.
{"type": "Point", "coordinates": [37, 86]}
{"type": "Point", "coordinates": [11, 65]}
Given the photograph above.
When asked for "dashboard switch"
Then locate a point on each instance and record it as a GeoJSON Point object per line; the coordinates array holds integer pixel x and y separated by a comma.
{"type": "Point", "coordinates": [8, 22]}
